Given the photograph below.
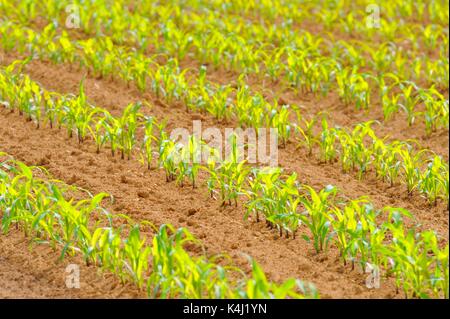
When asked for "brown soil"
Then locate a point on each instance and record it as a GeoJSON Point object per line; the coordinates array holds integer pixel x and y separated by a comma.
{"type": "Point", "coordinates": [145, 195]}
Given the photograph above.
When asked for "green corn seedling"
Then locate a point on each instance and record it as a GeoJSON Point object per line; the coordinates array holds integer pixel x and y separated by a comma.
{"type": "Point", "coordinates": [318, 207]}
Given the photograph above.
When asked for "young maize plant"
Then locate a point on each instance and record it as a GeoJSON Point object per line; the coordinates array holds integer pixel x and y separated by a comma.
{"type": "Point", "coordinates": [171, 264]}
{"type": "Point", "coordinates": [368, 238]}
{"type": "Point", "coordinates": [157, 82]}
{"type": "Point", "coordinates": [136, 254]}
{"type": "Point", "coordinates": [347, 53]}
{"type": "Point", "coordinates": [287, 217]}
{"type": "Point", "coordinates": [249, 109]}
{"type": "Point", "coordinates": [310, 74]}
{"type": "Point", "coordinates": [430, 183]}
{"type": "Point", "coordinates": [175, 40]}
{"type": "Point", "coordinates": [411, 167]}
{"type": "Point", "coordinates": [68, 49]}
{"type": "Point", "coordinates": [327, 142]}
{"type": "Point", "coordinates": [419, 274]}
{"type": "Point", "coordinates": [182, 169]}
{"type": "Point", "coordinates": [177, 275]}
{"type": "Point", "coordinates": [308, 138]}
{"type": "Point", "coordinates": [81, 114]}
{"type": "Point", "coordinates": [194, 150]}
{"type": "Point", "coordinates": [149, 139]}
{"type": "Point", "coordinates": [390, 105]}
{"type": "Point", "coordinates": [106, 129]}
{"type": "Point", "coordinates": [386, 160]}
{"type": "Point", "coordinates": [179, 85]}
{"type": "Point", "coordinates": [189, 163]}
{"type": "Point", "coordinates": [243, 105]}
{"type": "Point", "coordinates": [438, 72]}
{"type": "Point", "coordinates": [127, 125]}
{"type": "Point", "coordinates": [9, 81]}
{"type": "Point", "coordinates": [431, 36]}
{"type": "Point", "coordinates": [350, 225]}
{"type": "Point", "coordinates": [199, 98]}
{"type": "Point", "coordinates": [444, 180]}
{"type": "Point", "coordinates": [279, 119]}
{"type": "Point", "coordinates": [73, 222]}
{"type": "Point", "coordinates": [343, 82]}
{"type": "Point", "coordinates": [353, 87]}
{"type": "Point", "coordinates": [277, 199]}
{"type": "Point", "coordinates": [53, 108]}
{"type": "Point", "coordinates": [139, 68]}
{"type": "Point", "coordinates": [273, 64]}
{"type": "Point", "coordinates": [97, 56]}
{"type": "Point", "coordinates": [220, 103]}
{"type": "Point", "coordinates": [382, 57]}
{"type": "Point", "coordinates": [29, 100]}
{"type": "Point", "coordinates": [318, 207]}
{"type": "Point", "coordinates": [16, 193]}
{"type": "Point", "coordinates": [46, 38]}
{"type": "Point", "coordinates": [389, 30]}
{"type": "Point", "coordinates": [354, 152]}
{"type": "Point", "coordinates": [259, 287]}
{"type": "Point", "coordinates": [440, 276]}
{"type": "Point", "coordinates": [324, 76]}
{"type": "Point", "coordinates": [409, 101]}
{"type": "Point", "coordinates": [261, 181]}
{"type": "Point", "coordinates": [360, 91]}
{"type": "Point", "coordinates": [347, 146]}
{"type": "Point", "coordinates": [211, 163]}
{"type": "Point", "coordinates": [389, 100]}
{"type": "Point", "coordinates": [436, 109]}
{"type": "Point", "coordinates": [98, 132]}
{"type": "Point", "coordinates": [169, 158]}
{"type": "Point", "coordinates": [229, 175]}
{"type": "Point", "coordinates": [168, 82]}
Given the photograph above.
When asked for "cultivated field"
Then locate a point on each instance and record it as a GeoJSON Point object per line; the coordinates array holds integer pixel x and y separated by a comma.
{"type": "Point", "coordinates": [121, 177]}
